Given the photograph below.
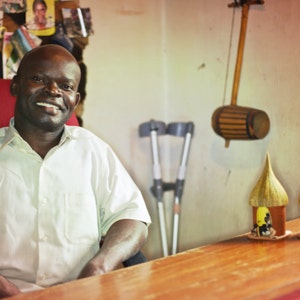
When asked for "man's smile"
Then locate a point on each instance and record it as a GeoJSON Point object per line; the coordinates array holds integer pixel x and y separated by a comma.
{"type": "Point", "coordinates": [48, 105]}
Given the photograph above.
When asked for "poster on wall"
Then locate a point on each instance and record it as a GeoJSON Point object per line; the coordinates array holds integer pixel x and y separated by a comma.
{"type": "Point", "coordinates": [13, 6]}
{"type": "Point", "coordinates": [24, 41]}
{"type": "Point", "coordinates": [10, 60]}
{"type": "Point", "coordinates": [15, 45]}
{"type": "Point", "coordinates": [77, 22]}
{"type": "Point", "coordinates": [40, 17]}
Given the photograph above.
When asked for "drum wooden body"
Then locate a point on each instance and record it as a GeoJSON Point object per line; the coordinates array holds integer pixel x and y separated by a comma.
{"type": "Point", "coordinates": [233, 122]}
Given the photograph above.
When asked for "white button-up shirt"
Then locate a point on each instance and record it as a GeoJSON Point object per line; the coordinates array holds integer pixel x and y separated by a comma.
{"type": "Point", "coordinates": [54, 211]}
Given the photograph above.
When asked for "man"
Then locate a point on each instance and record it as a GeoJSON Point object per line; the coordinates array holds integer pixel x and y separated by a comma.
{"type": "Point", "coordinates": [40, 21]}
{"type": "Point", "coordinates": [61, 188]}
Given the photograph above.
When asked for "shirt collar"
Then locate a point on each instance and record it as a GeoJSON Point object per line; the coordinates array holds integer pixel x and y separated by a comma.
{"type": "Point", "coordinates": [13, 134]}
{"type": "Point", "coordinates": [67, 134]}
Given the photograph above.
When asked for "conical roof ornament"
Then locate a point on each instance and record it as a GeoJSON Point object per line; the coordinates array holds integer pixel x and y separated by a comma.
{"type": "Point", "coordinates": [268, 191]}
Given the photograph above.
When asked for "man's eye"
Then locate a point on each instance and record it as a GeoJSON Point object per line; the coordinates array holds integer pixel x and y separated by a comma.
{"type": "Point", "coordinates": [37, 79]}
{"type": "Point", "coordinates": [67, 87]}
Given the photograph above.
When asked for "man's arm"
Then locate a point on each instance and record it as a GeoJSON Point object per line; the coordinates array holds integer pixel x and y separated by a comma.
{"type": "Point", "coordinates": [7, 289]}
{"type": "Point", "coordinates": [123, 240]}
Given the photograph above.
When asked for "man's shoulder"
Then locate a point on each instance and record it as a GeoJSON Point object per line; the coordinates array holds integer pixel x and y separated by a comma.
{"type": "Point", "coordinates": [3, 130]}
{"type": "Point", "coordinates": [87, 141]}
{"type": "Point", "coordinates": [82, 134]}
{"type": "Point", "coordinates": [3, 133]}
{"type": "Point", "coordinates": [5, 136]}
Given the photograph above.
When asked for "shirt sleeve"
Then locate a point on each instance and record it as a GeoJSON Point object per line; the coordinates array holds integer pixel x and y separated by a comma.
{"type": "Point", "coordinates": [121, 198]}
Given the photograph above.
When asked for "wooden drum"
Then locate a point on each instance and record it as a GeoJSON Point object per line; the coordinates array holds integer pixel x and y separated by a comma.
{"type": "Point", "coordinates": [233, 122]}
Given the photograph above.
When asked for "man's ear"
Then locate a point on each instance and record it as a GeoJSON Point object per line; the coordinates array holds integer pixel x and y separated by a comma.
{"type": "Point", "coordinates": [78, 97]}
{"type": "Point", "coordinates": [14, 86]}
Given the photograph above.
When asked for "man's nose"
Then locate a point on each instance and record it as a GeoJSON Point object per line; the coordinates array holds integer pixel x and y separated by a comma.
{"type": "Point", "coordinates": [53, 89]}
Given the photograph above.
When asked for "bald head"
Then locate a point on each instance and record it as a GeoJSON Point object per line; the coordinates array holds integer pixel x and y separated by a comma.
{"type": "Point", "coordinates": [47, 52]}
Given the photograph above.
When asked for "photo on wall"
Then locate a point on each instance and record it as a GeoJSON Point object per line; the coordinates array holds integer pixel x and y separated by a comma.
{"type": "Point", "coordinates": [40, 17]}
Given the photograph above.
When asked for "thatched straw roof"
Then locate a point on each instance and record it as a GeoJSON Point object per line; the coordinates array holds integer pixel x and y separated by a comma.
{"type": "Point", "coordinates": [268, 191]}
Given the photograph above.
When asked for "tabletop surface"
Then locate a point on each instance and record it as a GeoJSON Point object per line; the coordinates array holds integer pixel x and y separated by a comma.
{"type": "Point", "coordinates": [239, 268]}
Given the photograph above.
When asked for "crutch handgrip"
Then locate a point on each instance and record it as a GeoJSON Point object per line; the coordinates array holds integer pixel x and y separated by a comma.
{"type": "Point", "coordinates": [179, 188]}
{"type": "Point", "coordinates": [157, 189]}
{"type": "Point", "coordinates": [190, 127]}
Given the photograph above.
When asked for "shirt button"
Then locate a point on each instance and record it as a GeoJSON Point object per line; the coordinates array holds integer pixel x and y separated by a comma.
{"type": "Point", "coordinates": [44, 238]}
{"type": "Point", "coordinates": [44, 201]}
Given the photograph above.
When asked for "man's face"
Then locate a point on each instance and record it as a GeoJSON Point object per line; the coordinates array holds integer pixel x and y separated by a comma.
{"type": "Point", "coordinates": [46, 90]}
{"type": "Point", "coordinates": [40, 13]}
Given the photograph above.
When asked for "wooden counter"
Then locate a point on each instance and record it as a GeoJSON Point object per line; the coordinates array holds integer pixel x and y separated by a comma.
{"type": "Point", "coordinates": [239, 268]}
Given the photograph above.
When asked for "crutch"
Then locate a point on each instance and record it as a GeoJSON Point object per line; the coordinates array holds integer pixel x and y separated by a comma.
{"type": "Point", "coordinates": [153, 129]}
{"type": "Point", "coordinates": [185, 130]}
